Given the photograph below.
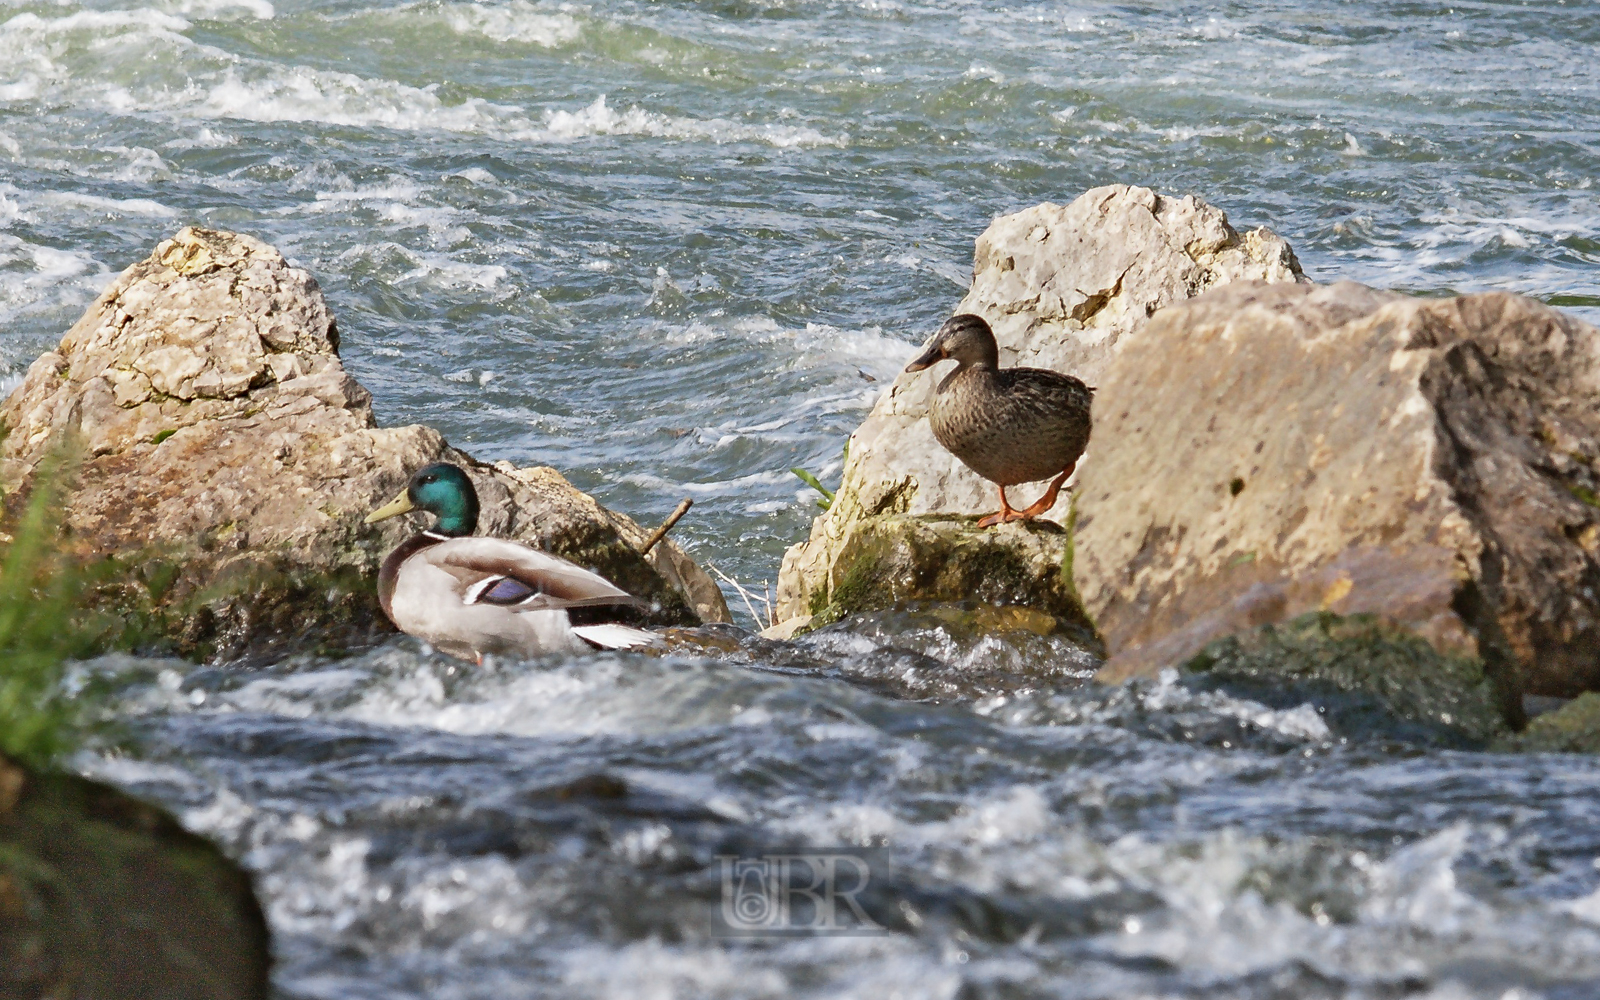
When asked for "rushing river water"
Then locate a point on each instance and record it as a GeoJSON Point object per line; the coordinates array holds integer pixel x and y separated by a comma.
{"type": "Point", "coordinates": [667, 247]}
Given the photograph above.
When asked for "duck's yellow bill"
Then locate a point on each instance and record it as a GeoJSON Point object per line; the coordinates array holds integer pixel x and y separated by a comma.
{"type": "Point", "coordinates": [399, 505]}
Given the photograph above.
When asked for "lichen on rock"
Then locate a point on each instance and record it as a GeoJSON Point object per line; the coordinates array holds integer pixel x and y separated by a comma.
{"type": "Point", "coordinates": [227, 458]}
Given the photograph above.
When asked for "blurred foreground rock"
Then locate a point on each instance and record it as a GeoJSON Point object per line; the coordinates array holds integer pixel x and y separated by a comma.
{"type": "Point", "coordinates": [1061, 286]}
{"type": "Point", "coordinates": [227, 458]}
{"type": "Point", "coordinates": [1270, 450]}
{"type": "Point", "coordinates": [104, 897]}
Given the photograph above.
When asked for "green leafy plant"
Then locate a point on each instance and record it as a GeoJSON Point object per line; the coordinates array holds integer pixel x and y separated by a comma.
{"type": "Point", "coordinates": [812, 481]}
{"type": "Point", "coordinates": [816, 484]}
{"type": "Point", "coordinates": [41, 629]}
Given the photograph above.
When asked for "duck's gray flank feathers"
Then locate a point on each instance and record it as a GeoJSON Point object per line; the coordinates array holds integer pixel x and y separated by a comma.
{"type": "Point", "coordinates": [471, 597]}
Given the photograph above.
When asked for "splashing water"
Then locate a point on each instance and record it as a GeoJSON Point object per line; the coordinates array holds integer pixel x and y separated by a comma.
{"type": "Point", "coordinates": [659, 246]}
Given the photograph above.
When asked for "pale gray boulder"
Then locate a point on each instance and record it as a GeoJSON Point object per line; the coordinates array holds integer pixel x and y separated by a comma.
{"type": "Point", "coordinates": [226, 457]}
{"type": "Point", "coordinates": [1271, 450]}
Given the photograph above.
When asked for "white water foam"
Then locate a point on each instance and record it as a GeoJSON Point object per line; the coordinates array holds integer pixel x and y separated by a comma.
{"type": "Point", "coordinates": [1301, 722]}
{"type": "Point", "coordinates": [203, 138]}
{"type": "Point", "coordinates": [402, 266]}
{"type": "Point", "coordinates": [36, 278]}
{"type": "Point", "coordinates": [599, 118]}
{"type": "Point", "coordinates": [304, 94]}
{"type": "Point", "coordinates": [651, 970]}
{"type": "Point", "coordinates": [1169, 695]}
{"type": "Point", "coordinates": [519, 22]}
{"type": "Point", "coordinates": [164, 71]}
{"type": "Point", "coordinates": [219, 10]}
{"type": "Point", "coordinates": [870, 349]}
{"type": "Point", "coordinates": [395, 687]}
{"type": "Point", "coordinates": [78, 203]}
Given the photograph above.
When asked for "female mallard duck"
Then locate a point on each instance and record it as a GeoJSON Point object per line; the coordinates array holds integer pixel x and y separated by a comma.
{"type": "Point", "coordinates": [1010, 426]}
{"type": "Point", "coordinates": [474, 596]}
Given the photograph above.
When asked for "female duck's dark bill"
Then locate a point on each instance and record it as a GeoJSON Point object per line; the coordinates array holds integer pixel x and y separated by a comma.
{"type": "Point", "coordinates": [926, 359]}
{"type": "Point", "coordinates": [394, 508]}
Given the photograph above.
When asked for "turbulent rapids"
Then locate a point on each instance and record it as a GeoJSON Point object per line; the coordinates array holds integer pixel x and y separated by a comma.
{"type": "Point", "coordinates": [676, 249]}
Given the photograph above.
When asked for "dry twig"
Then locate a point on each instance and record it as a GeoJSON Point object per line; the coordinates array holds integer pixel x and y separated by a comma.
{"type": "Point", "coordinates": [666, 526]}
{"type": "Point", "coordinates": [745, 594]}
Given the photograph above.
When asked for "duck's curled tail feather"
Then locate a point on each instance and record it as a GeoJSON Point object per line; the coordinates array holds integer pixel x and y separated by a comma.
{"type": "Point", "coordinates": [612, 636]}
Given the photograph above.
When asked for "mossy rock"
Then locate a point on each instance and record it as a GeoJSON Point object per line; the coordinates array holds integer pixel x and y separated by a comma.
{"type": "Point", "coordinates": [894, 559]}
{"type": "Point", "coordinates": [104, 896]}
{"type": "Point", "coordinates": [1572, 728]}
{"type": "Point", "coordinates": [1367, 679]}
{"type": "Point", "coordinates": [247, 607]}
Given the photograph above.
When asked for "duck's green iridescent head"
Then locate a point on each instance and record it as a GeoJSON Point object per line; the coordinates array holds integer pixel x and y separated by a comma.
{"type": "Point", "coordinates": [442, 490]}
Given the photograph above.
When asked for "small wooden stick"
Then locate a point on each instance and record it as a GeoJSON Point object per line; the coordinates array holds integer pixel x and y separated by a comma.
{"type": "Point", "coordinates": [666, 526]}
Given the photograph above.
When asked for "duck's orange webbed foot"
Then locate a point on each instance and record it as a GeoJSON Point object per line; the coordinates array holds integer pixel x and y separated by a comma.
{"type": "Point", "coordinates": [1047, 501]}
{"type": "Point", "coordinates": [1004, 514]}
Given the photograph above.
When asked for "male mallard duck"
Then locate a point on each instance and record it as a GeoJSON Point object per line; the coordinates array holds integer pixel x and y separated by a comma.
{"type": "Point", "coordinates": [473, 596]}
{"type": "Point", "coordinates": [1010, 426]}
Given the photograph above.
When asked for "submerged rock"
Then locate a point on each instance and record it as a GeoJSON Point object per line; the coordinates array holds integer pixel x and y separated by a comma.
{"type": "Point", "coordinates": [1269, 450]}
{"type": "Point", "coordinates": [102, 895]}
{"type": "Point", "coordinates": [227, 459]}
{"type": "Point", "coordinates": [1366, 678]}
{"type": "Point", "coordinates": [1572, 728]}
{"type": "Point", "coordinates": [1061, 286]}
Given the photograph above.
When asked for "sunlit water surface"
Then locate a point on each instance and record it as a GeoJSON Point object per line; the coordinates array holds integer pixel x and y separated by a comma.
{"type": "Point", "coordinates": [668, 248]}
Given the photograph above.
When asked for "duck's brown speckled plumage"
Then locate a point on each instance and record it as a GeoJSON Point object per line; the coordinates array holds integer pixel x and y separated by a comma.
{"type": "Point", "coordinates": [1012, 425]}
{"type": "Point", "coordinates": [1009, 425]}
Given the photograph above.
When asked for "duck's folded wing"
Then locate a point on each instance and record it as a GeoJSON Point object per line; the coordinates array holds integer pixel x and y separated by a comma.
{"type": "Point", "coordinates": [512, 575]}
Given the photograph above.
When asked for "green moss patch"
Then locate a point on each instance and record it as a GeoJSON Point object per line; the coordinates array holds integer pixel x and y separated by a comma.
{"type": "Point", "coordinates": [1572, 728]}
{"type": "Point", "coordinates": [890, 560]}
{"type": "Point", "coordinates": [1366, 678]}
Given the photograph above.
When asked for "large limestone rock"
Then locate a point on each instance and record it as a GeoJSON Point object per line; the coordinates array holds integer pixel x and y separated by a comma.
{"type": "Point", "coordinates": [226, 456]}
{"type": "Point", "coordinates": [1268, 450]}
{"type": "Point", "coordinates": [1061, 286]}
